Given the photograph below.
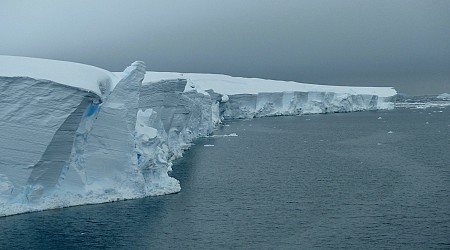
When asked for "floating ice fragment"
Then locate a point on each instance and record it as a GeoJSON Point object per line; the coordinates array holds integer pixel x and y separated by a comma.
{"type": "Point", "coordinates": [230, 135]}
{"type": "Point", "coordinates": [390, 132]}
{"type": "Point", "coordinates": [380, 118]}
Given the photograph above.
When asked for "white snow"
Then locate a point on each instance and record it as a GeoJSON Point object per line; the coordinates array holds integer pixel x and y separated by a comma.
{"type": "Point", "coordinates": [76, 75]}
{"type": "Point", "coordinates": [144, 131]}
{"type": "Point", "coordinates": [228, 85]}
{"type": "Point", "coordinates": [224, 98]}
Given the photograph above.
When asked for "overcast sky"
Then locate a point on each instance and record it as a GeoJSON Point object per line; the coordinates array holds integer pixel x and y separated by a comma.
{"type": "Point", "coordinates": [400, 43]}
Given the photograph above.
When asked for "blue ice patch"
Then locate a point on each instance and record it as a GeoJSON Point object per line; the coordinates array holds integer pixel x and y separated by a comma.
{"type": "Point", "coordinates": [139, 158]}
{"type": "Point", "coordinates": [92, 109]}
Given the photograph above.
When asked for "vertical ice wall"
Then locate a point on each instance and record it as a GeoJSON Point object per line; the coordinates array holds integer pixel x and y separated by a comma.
{"type": "Point", "coordinates": [46, 173]}
{"type": "Point", "coordinates": [106, 157]}
{"type": "Point", "coordinates": [38, 120]}
{"type": "Point", "coordinates": [172, 118]}
{"type": "Point", "coordinates": [295, 103]}
{"type": "Point", "coordinates": [61, 147]}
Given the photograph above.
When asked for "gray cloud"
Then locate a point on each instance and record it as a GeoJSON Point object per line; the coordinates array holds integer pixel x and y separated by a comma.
{"type": "Point", "coordinates": [344, 42]}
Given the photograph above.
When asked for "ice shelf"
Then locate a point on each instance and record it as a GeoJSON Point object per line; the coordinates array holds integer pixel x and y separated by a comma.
{"type": "Point", "coordinates": [73, 134]}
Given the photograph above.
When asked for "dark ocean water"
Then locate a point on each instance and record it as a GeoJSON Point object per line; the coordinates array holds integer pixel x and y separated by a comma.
{"type": "Point", "coordinates": [349, 180]}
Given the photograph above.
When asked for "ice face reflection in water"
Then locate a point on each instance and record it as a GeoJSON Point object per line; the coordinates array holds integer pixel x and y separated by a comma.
{"type": "Point", "coordinates": [359, 180]}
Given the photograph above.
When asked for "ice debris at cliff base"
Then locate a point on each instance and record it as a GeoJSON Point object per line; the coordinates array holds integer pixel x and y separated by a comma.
{"type": "Point", "coordinates": [74, 134]}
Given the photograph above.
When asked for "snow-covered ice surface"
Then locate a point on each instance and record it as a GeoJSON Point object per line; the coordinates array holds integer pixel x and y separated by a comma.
{"type": "Point", "coordinates": [228, 85]}
{"type": "Point", "coordinates": [81, 76]}
{"type": "Point", "coordinates": [73, 134]}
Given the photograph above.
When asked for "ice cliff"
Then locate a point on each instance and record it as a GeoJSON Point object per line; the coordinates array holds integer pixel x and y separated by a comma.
{"type": "Point", "coordinates": [73, 134]}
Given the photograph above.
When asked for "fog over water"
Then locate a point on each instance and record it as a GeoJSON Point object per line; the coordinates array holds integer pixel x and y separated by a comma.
{"type": "Point", "coordinates": [369, 43]}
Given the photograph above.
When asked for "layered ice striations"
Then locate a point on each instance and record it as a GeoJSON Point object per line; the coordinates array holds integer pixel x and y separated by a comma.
{"type": "Point", "coordinates": [38, 120]}
{"type": "Point", "coordinates": [106, 159]}
{"type": "Point", "coordinates": [63, 146]}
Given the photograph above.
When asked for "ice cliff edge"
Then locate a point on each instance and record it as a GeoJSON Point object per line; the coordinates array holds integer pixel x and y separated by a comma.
{"type": "Point", "coordinates": [73, 134]}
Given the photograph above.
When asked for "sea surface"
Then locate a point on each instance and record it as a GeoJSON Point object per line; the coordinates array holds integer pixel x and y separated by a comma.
{"type": "Point", "coordinates": [366, 180]}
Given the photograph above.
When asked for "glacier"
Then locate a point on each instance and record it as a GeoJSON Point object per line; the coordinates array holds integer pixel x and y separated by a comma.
{"type": "Point", "coordinates": [73, 134]}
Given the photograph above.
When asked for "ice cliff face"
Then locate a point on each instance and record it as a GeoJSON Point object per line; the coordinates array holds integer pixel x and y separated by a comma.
{"type": "Point", "coordinates": [38, 122]}
{"type": "Point", "coordinates": [296, 103]}
{"type": "Point", "coordinates": [62, 145]}
{"type": "Point", "coordinates": [168, 120]}
{"type": "Point", "coordinates": [104, 157]}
